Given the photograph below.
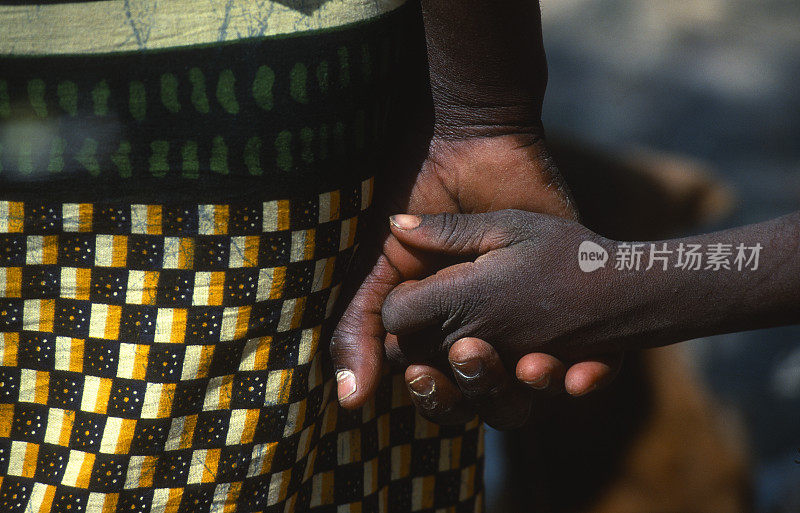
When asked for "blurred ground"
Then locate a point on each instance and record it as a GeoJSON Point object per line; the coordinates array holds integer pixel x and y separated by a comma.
{"type": "Point", "coordinates": [715, 80]}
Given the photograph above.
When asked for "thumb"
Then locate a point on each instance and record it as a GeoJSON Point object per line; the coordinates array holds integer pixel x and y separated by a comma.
{"type": "Point", "coordinates": [460, 234]}
{"type": "Point", "coordinates": [357, 342]}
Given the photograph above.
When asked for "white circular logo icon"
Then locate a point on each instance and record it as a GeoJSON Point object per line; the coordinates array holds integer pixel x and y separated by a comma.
{"type": "Point", "coordinates": [591, 256]}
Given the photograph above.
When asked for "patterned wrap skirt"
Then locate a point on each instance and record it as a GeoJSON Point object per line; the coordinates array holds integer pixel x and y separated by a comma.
{"type": "Point", "coordinates": [176, 223]}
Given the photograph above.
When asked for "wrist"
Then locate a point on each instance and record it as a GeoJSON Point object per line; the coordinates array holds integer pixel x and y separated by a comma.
{"type": "Point", "coordinates": [718, 290]}
{"type": "Point", "coordinates": [621, 309]}
{"type": "Point", "coordinates": [463, 114]}
{"type": "Point", "coordinates": [487, 63]}
{"type": "Point", "coordinates": [654, 302]}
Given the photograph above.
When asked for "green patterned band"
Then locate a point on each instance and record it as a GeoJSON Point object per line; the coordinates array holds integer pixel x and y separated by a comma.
{"type": "Point", "coordinates": [293, 112]}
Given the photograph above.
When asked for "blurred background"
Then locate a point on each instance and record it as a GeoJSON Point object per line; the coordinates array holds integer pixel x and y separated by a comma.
{"type": "Point", "coordinates": [705, 92]}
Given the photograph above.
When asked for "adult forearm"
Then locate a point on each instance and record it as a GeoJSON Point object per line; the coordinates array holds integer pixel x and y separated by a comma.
{"type": "Point", "coordinates": [487, 64]}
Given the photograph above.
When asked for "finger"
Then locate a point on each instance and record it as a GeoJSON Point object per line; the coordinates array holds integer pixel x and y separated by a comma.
{"type": "Point", "coordinates": [541, 372]}
{"type": "Point", "coordinates": [413, 263]}
{"type": "Point", "coordinates": [459, 234]}
{"type": "Point", "coordinates": [436, 397]}
{"type": "Point", "coordinates": [431, 302]}
{"type": "Point", "coordinates": [499, 399]}
{"type": "Point", "coordinates": [357, 342]}
{"type": "Point", "coordinates": [590, 375]}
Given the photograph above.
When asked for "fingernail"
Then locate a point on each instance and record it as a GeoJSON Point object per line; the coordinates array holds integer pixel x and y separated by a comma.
{"type": "Point", "coordinates": [541, 383]}
{"type": "Point", "coordinates": [405, 221]}
{"type": "Point", "coordinates": [422, 386]}
{"type": "Point", "coordinates": [345, 384]}
{"type": "Point", "coordinates": [468, 369]}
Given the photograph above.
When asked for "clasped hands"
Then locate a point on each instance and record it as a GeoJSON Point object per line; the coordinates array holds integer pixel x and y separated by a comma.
{"type": "Point", "coordinates": [454, 371]}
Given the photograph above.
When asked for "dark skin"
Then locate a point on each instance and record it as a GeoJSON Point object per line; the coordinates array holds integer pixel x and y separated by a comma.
{"type": "Point", "coordinates": [522, 289]}
{"type": "Point", "coordinates": [487, 152]}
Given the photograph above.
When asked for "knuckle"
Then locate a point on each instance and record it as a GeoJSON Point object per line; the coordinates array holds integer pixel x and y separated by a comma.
{"type": "Point", "coordinates": [462, 302]}
{"type": "Point", "coordinates": [453, 301]}
{"type": "Point", "coordinates": [343, 346]}
{"type": "Point", "coordinates": [337, 346]}
{"type": "Point", "coordinates": [450, 230]}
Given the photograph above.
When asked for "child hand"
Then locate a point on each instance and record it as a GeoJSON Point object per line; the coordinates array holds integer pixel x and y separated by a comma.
{"type": "Point", "coordinates": [524, 293]}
